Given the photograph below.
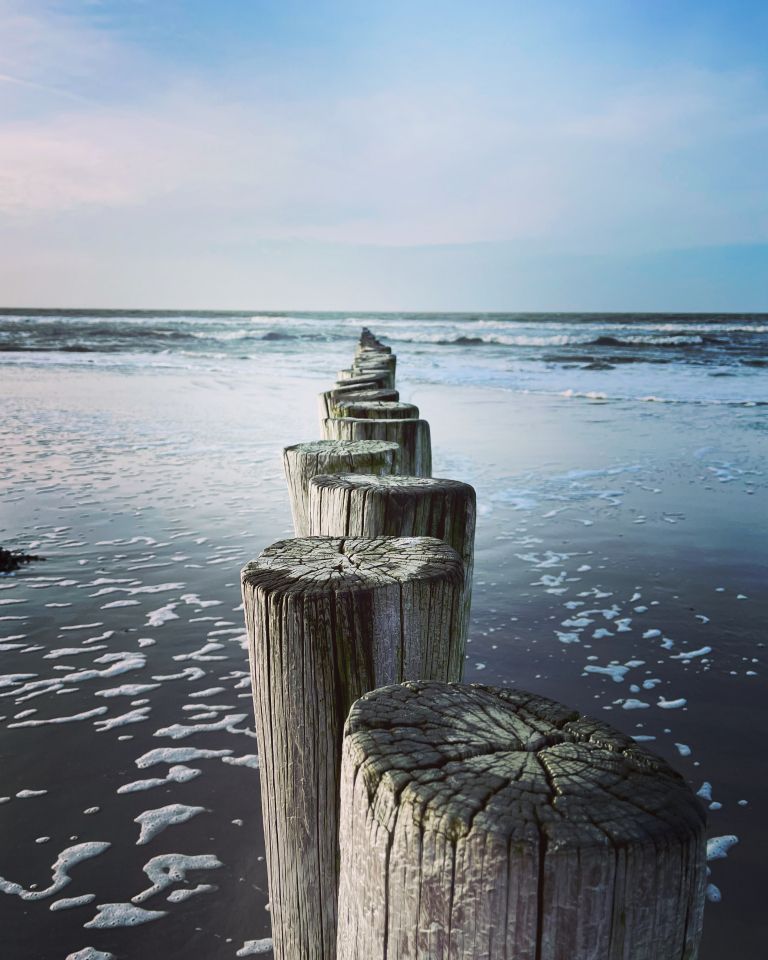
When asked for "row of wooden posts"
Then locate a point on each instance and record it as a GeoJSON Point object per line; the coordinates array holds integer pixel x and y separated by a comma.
{"type": "Point", "coordinates": [408, 815]}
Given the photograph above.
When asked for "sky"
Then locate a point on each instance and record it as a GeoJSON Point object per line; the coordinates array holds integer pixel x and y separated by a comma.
{"type": "Point", "coordinates": [478, 155]}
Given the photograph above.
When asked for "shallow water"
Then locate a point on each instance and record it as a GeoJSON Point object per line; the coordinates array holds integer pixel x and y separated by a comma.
{"type": "Point", "coordinates": [620, 567]}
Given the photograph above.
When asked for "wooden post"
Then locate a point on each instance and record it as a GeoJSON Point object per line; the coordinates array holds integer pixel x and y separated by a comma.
{"type": "Point", "coordinates": [479, 822]}
{"type": "Point", "coordinates": [346, 378]}
{"type": "Point", "coordinates": [414, 459]}
{"type": "Point", "coordinates": [302, 461]}
{"type": "Point", "coordinates": [329, 400]}
{"type": "Point", "coordinates": [377, 410]}
{"type": "Point", "coordinates": [386, 361]}
{"type": "Point", "coordinates": [350, 505]}
{"type": "Point", "coordinates": [327, 620]}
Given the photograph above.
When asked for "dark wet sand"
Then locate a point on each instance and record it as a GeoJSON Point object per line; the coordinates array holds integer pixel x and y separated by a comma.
{"type": "Point", "coordinates": [581, 503]}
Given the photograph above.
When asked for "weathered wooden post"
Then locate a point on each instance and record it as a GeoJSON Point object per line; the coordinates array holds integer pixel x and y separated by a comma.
{"type": "Point", "coordinates": [327, 620]}
{"type": "Point", "coordinates": [328, 400]}
{"type": "Point", "coordinates": [302, 461]}
{"type": "Point", "coordinates": [384, 377]}
{"type": "Point", "coordinates": [349, 505]}
{"type": "Point", "coordinates": [382, 361]}
{"type": "Point", "coordinates": [377, 409]}
{"type": "Point", "coordinates": [479, 822]}
{"type": "Point", "coordinates": [414, 459]}
{"type": "Point", "coordinates": [367, 381]}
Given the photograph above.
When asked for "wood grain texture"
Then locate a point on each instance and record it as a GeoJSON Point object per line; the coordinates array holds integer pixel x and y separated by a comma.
{"type": "Point", "coordinates": [377, 410]}
{"type": "Point", "coordinates": [349, 505]}
{"type": "Point", "coordinates": [381, 375]}
{"type": "Point", "coordinates": [414, 458]}
{"type": "Point", "coordinates": [327, 620]}
{"type": "Point", "coordinates": [302, 461]}
{"type": "Point", "coordinates": [329, 400]}
{"type": "Point", "coordinates": [368, 381]}
{"type": "Point", "coordinates": [496, 824]}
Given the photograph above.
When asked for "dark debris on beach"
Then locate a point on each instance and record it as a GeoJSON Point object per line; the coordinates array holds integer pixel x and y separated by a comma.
{"type": "Point", "coordinates": [11, 560]}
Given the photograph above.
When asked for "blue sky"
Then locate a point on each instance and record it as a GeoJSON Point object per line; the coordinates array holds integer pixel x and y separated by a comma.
{"type": "Point", "coordinates": [247, 154]}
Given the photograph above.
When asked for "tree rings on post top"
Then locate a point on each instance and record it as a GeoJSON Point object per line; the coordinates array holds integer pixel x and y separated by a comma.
{"type": "Point", "coordinates": [302, 461]}
{"type": "Point", "coordinates": [500, 824]}
{"type": "Point", "coordinates": [377, 409]}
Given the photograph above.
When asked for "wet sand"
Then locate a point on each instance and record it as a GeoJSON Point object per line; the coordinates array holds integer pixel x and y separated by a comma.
{"type": "Point", "coordinates": [620, 567]}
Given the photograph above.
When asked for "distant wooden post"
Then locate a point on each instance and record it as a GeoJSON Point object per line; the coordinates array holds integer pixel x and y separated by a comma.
{"type": "Point", "coordinates": [302, 461]}
{"type": "Point", "coordinates": [479, 822]}
{"type": "Point", "coordinates": [379, 361]}
{"type": "Point", "coordinates": [368, 381]}
{"type": "Point", "coordinates": [414, 459]}
{"type": "Point", "coordinates": [349, 505]}
{"type": "Point", "coordinates": [329, 400]}
{"type": "Point", "coordinates": [327, 620]}
{"type": "Point", "coordinates": [377, 410]}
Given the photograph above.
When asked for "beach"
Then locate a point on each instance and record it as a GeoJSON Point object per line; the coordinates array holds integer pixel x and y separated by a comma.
{"type": "Point", "coordinates": [620, 567]}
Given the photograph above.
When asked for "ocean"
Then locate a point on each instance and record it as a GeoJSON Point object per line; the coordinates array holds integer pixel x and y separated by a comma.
{"type": "Point", "coordinates": [620, 466]}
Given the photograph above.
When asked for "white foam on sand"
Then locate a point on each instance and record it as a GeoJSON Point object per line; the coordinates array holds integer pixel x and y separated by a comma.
{"type": "Point", "coordinates": [614, 671]}
{"type": "Point", "coordinates": [671, 704]}
{"type": "Point", "coordinates": [90, 953]}
{"type": "Point", "coordinates": [72, 651]}
{"type": "Point", "coordinates": [133, 716]}
{"type": "Point", "coordinates": [249, 760]}
{"type": "Point", "coordinates": [719, 847]}
{"type": "Point", "coordinates": [26, 794]}
{"type": "Point", "coordinates": [178, 731]}
{"type": "Point", "coordinates": [251, 947]}
{"type": "Point", "coordinates": [86, 715]}
{"type": "Point", "coordinates": [127, 690]}
{"type": "Point", "coordinates": [155, 821]}
{"type": "Point", "coordinates": [178, 896]}
{"type": "Point", "coordinates": [69, 902]}
{"type": "Point", "coordinates": [177, 774]}
{"type": "Point", "coordinates": [188, 673]}
{"type": "Point", "coordinates": [156, 618]}
{"type": "Point", "coordinates": [177, 755]}
{"type": "Point", "coordinates": [122, 915]}
{"type": "Point", "coordinates": [689, 655]}
{"type": "Point", "coordinates": [65, 861]}
{"type": "Point", "coordinates": [170, 868]}
{"type": "Point", "coordinates": [203, 654]}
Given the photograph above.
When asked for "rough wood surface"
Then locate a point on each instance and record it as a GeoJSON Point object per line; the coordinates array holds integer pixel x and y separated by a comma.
{"type": "Point", "coordinates": [327, 620]}
{"type": "Point", "coordinates": [377, 410]}
{"type": "Point", "coordinates": [495, 824]}
{"type": "Point", "coordinates": [368, 381]}
{"type": "Point", "coordinates": [414, 458]}
{"type": "Point", "coordinates": [383, 361]}
{"type": "Point", "coordinates": [302, 461]}
{"type": "Point", "coordinates": [350, 505]}
{"type": "Point", "coordinates": [329, 400]}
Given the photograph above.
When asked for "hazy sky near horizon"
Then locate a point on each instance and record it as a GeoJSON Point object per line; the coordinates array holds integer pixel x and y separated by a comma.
{"type": "Point", "coordinates": [275, 154]}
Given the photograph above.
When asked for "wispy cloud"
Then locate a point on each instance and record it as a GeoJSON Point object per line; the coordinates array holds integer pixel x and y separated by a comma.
{"type": "Point", "coordinates": [99, 132]}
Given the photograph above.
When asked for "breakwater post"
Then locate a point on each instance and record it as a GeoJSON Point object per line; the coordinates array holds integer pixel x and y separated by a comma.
{"type": "Point", "coordinates": [302, 461]}
{"type": "Point", "coordinates": [480, 822]}
{"type": "Point", "coordinates": [329, 619]}
{"type": "Point", "coordinates": [366, 506]}
{"type": "Point", "coordinates": [414, 458]}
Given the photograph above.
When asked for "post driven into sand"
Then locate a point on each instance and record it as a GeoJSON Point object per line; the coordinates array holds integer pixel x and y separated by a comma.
{"type": "Point", "coordinates": [414, 459]}
{"type": "Point", "coordinates": [329, 619]}
{"type": "Point", "coordinates": [480, 822]}
{"type": "Point", "coordinates": [302, 461]}
{"type": "Point", "coordinates": [373, 506]}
